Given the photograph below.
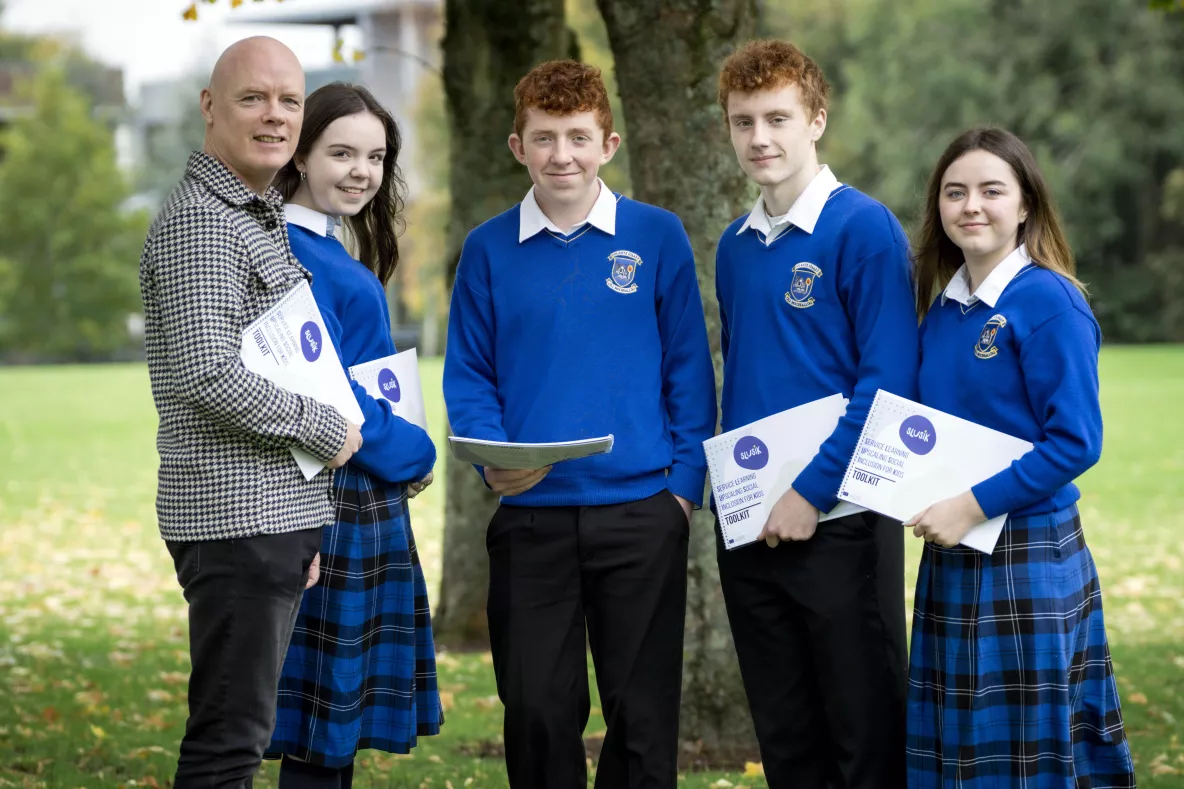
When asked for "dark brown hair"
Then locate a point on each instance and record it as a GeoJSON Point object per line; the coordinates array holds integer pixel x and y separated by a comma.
{"type": "Point", "coordinates": [938, 258]}
{"type": "Point", "coordinates": [563, 87]}
{"type": "Point", "coordinates": [771, 64]}
{"type": "Point", "coordinates": [376, 227]}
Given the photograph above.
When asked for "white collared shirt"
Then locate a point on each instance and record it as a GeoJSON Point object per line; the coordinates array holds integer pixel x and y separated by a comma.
{"type": "Point", "coordinates": [992, 287]}
{"type": "Point", "coordinates": [803, 213]}
{"type": "Point", "coordinates": [321, 224]}
{"type": "Point", "coordinates": [532, 220]}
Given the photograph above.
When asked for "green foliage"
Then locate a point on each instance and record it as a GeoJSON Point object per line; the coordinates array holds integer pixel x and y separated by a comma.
{"type": "Point", "coordinates": [71, 251]}
{"type": "Point", "coordinates": [1092, 86]}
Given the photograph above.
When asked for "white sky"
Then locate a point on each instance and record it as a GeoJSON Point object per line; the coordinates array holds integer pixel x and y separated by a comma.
{"type": "Point", "coordinates": [150, 41]}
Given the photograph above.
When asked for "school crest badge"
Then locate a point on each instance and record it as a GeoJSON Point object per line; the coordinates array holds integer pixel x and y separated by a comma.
{"type": "Point", "coordinates": [802, 286]}
{"type": "Point", "coordinates": [624, 269]}
{"type": "Point", "coordinates": [985, 347]}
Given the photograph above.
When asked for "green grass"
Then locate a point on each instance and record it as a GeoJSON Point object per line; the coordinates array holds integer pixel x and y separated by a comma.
{"type": "Point", "coordinates": [93, 658]}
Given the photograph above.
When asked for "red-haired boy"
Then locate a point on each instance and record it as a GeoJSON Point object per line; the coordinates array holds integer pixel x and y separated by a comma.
{"type": "Point", "coordinates": [815, 298]}
{"type": "Point", "coordinates": [577, 314]}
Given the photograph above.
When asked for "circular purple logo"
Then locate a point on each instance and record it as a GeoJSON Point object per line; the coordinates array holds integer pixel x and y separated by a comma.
{"type": "Point", "coordinates": [389, 385]}
{"type": "Point", "coordinates": [751, 453]}
{"type": "Point", "coordinates": [310, 341]}
{"type": "Point", "coordinates": [918, 435]}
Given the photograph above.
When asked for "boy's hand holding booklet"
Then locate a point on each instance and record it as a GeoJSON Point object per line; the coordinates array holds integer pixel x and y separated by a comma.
{"type": "Point", "coordinates": [753, 466]}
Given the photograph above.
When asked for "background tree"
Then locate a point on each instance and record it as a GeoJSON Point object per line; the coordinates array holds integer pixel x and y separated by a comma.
{"type": "Point", "coordinates": [70, 249]}
{"type": "Point", "coordinates": [488, 46]}
{"type": "Point", "coordinates": [667, 55]}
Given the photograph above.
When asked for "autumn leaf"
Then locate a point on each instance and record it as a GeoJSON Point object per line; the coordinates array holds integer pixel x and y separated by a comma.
{"type": "Point", "coordinates": [162, 696]}
{"type": "Point", "coordinates": [754, 770]}
{"type": "Point", "coordinates": [1137, 698]}
{"type": "Point", "coordinates": [190, 14]}
{"type": "Point", "coordinates": [98, 732]}
{"type": "Point", "coordinates": [446, 700]}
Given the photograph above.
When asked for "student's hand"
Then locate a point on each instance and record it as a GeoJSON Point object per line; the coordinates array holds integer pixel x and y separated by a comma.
{"type": "Point", "coordinates": [686, 506]}
{"type": "Point", "coordinates": [415, 488]}
{"type": "Point", "coordinates": [512, 482]}
{"type": "Point", "coordinates": [353, 442]}
{"type": "Point", "coordinates": [314, 572]}
{"type": "Point", "coordinates": [947, 522]}
{"type": "Point", "coordinates": [792, 518]}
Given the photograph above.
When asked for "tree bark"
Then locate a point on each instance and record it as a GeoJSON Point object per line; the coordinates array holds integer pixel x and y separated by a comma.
{"type": "Point", "coordinates": [667, 55]}
{"type": "Point", "coordinates": [488, 46]}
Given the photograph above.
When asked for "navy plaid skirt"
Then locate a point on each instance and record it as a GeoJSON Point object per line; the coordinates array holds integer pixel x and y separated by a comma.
{"type": "Point", "coordinates": [361, 669]}
{"type": "Point", "coordinates": [1010, 679]}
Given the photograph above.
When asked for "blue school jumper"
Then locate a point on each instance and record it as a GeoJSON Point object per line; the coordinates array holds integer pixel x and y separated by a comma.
{"type": "Point", "coordinates": [814, 314]}
{"type": "Point", "coordinates": [557, 338]}
{"type": "Point", "coordinates": [360, 671]}
{"type": "Point", "coordinates": [1010, 678]}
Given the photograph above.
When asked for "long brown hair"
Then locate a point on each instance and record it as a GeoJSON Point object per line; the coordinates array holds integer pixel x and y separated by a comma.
{"type": "Point", "coordinates": [375, 228]}
{"type": "Point", "coordinates": [938, 258]}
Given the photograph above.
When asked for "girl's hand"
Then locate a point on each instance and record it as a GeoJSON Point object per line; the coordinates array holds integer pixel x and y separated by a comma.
{"type": "Point", "coordinates": [947, 522]}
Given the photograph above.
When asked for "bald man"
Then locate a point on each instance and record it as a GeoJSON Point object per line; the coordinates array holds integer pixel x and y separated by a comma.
{"type": "Point", "coordinates": [242, 523]}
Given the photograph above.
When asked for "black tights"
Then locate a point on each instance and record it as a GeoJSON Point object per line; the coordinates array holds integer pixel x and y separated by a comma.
{"type": "Point", "coordinates": [295, 774]}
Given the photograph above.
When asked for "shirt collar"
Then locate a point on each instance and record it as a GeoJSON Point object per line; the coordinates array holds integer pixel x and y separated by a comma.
{"type": "Point", "coordinates": [805, 210]}
{"type": "Point", "coordinates": [226, 185]}
{"type": "Point", "coordinates": [532, 220]}
{"type": "Point", "coordinates": [321, 224]}
{"type": "Point", "coordinates": [992, 287]}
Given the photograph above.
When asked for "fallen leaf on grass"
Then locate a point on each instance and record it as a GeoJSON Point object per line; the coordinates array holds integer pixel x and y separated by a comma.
{"type": "Point", "coordinates": [174, 677]}
{"type": "Point", "coordinates": [1137, 698]}
{"type": "Point", "coordinates": [446, 700]}
{"type": "Point", "coordinates": [143, 753]}
{"type": "Point", "coordinates": [487, 703]}
{"type": "Point", "coordinates": [754, 770]}
{"type": "Point", "coordinates": [162, 696]}
{"type": "Point", "coordinates": [435, 759]}
{"type": "Point", "coordinates": [98, 732]}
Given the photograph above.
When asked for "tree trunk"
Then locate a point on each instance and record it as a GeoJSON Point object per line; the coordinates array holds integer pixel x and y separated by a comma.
{"type": "Point", "coordinates": [488, 46]}
{"type": "Point", "coordinates": [667, 55]}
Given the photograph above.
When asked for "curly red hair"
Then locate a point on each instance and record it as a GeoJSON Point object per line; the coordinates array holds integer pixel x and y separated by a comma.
{"type": "Point", "coordinates": [771, 64]}
{"type": "Point", "coordinates": [563, 87]}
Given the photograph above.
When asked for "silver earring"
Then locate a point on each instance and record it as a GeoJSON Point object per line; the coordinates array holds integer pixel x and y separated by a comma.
{"type": "Point", "coordinates": [301, 175]}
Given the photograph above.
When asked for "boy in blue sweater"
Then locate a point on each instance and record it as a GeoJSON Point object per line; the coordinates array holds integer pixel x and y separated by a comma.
{"type": "Point", "coordinates": [815, 298]}
{"type": "Point", "coordinates": [577, 314]}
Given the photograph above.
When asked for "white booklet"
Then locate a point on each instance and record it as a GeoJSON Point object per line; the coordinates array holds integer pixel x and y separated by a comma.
{"type": "Point", "coordinates": [510, 455]}
{"type": "Point", "coordinates": [394, 380]}
{"type": "Point", "coordinates": [290, 346]}
{"type": "Point", "coordinates": [911, 456]}
{"type": "Point", "coordinates": [753, 466]}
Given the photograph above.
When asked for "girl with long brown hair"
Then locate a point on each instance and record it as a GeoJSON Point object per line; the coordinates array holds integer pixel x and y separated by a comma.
{"type": "Point", "coordinates": [360, 670]}
{"type": "Point", "coordinates": [1010, 678]}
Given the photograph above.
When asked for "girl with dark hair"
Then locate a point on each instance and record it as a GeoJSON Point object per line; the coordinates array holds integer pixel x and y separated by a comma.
{"type": "Point", "coordinates": [1010, 678]}
{"type": "Point", "coordinates": [360, 671]}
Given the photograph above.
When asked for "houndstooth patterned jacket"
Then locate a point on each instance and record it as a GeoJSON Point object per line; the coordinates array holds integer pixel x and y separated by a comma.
{"type": "Point", "coordinates": [216, 258]}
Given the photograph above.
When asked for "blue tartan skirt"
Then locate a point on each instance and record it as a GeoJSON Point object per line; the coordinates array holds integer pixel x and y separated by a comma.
{"type": "Point", "coordinates": [361, 669]}
{"type": "Point", "coordinates": [1010, 679]}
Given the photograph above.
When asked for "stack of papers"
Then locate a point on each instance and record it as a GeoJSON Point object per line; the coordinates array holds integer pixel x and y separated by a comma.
{"type": "Point", "coordinates": [753, 466]}
{"type": "Point", "coordinates": [290, 346]}
{"type": "Point", "coordinates": [911, 456]}
{"type": "Point", "coordinates": [510, 455]}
